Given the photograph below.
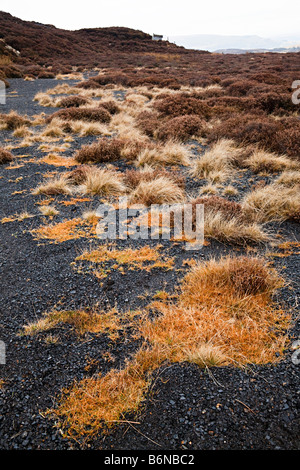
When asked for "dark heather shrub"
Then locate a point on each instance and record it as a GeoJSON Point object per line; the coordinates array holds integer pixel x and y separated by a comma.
{"type": "Point", "coordinates": [79, 174]}
{"type": "Point", "coordinates": [13, 120]}
{"type": "Point", "coordinates": [229, 209]}
{"type": "Point", "coordinates": [46, 75]}
{"type": "Point", "coordinates": [180, 128]}
{"type": "Point", "coordinates": [72, 101]}
{"type": "Point", "coordinates": [102, 151]}
{"type": "Point", "coordinates": [82, 114]}
{"type": "Point", "coordinates": [266, 77]}
{"type": "Point", "coordinates": [148, 123]}
{"type": "Point", "coordinates": [275, 103]}
{"type": "Point", "coordinates": [246, 129]}
{"type": "Point", "coordinates": [110, 106]}
{"type": "Point", "coordinates": [5, 156]}
{"type": "Point", "coordinates": [231, 104]}
{"type": "Point", "coordinates": [251, 275]}
{"type": "Point", "coordinates": [240, 87]}
{"type": "Point", "coordinates": [181, 104]}
{"type": "Point", "coordinates": [88, 84]}
{"type": "Point", "coordinates": [286, 140]}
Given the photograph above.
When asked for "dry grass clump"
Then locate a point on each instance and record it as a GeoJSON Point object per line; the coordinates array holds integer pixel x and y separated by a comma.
{"type": "Point", "coordinates": [132, 178]}
{"type": "Point", "coordinates": [55, 128]}
{"type": "Point", "coordinates": [48, 210]}
{"type": "Point", "coordinates": [72, 101]}
{"type": "Point", "coordinates": [170, 153]}
{"type": "Point", "coordinates": [12, 121]}
{"type": "Point", "coordinates": [98, 402]}
{"type": "Point", "coordinates": [180, 128]}
{"type": "Point", "coordinates": [262, 161]}
{"type": "Point", "coordinates": [220, 158]}
{"type": "Point", "coordinates": [22, 131]}
{"type": "Point", "coordinates": [224, 315]}
{"type": "Point", "coordinates": [84, 180]}
{"type": "Point", "coordinates": [241, 276]}
{"type": "Point", "coordinates": [102, 181]}
{"type": "Point", "coordinates": [104, 150]}
{"type": "Point", "coordinates": [84, 128]}
{"type": "Point", "coordinates": [99, 114]}
{"type": "Point", "coordinates": [233, 231]}
{"type": "Point", "coordinates": [225, 309]}
{"type": "Point", "coordinates": [59, 185]}
{"type": "Point", "coordinates": [5, 156]}
{"type": "Point", "coordinates": [230, 190]}
{"type": "Point", "coordinates": [45, 100]}
{"type": "Point", "coordinates": [226, 221]}
{"type": "Point", "coordinates": [274, 202]}
{"type": "Point", "coordinates": [161, 190]}
{"type": "Point", "coordinates": [289, 178]}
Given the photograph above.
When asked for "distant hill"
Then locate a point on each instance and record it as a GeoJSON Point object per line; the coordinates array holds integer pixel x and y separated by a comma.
{"type": "Point", "coordinates": [30, 42]}
{"type": "Point", "coordinates": [236, 44]}
{"type": "Point", "coordinates": [257, 51]}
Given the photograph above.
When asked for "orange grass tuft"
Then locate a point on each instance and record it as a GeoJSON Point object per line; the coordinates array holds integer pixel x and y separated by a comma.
{"type": "Point", "coordinates": [144, 258]}
{"type": "Point", "coordinates": [58, 160]}
{"type": "Point", "coordinates": [224, 315]}
{"type": "Point", "coordinates": [67, 230]}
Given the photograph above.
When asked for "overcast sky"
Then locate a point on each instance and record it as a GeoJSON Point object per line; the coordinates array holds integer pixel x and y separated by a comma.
{"type": "Point", "coordinates": [176, 17]}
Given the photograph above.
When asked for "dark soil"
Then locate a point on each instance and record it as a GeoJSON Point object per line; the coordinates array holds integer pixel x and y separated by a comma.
{"type": "Point", "coordinates": [187, 407]}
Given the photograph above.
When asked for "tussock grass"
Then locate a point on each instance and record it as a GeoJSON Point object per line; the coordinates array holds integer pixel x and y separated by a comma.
{"type": "Point", "coordinates": [218, 162]}
{"type": "Point", "coordinates": [133, 177]}
{"type": "Point", "coordinates": [84, 180]}
{"type": "Point", "coordinates": [161, 190]}
{"type": "Point", "coordinates": [102, 182]}
{"type": "Point", "coordinates": [262, 161]}
{"type": "Point", "coordinates": [210, 188]}
{"type": "Point", "coordinates": [226, 221]}
{"type": "Point", "coordinates": [84, 128]}
{"type": "Point", "coordinates": [22, 131]}
{"type": "Point", "coordinates": [59, 185]}
{"type": "Point", "coordinates": [171, 153]}
{"type": "Point", "coordinates": [53, 129]}
{"type": "Point", "coordinates": [45, 100]}
{"type": "Point", "coordinates": [274, 202]}
{"type": "Point", "coordinates": [230, 190]}
{"type": "Point", "coordinates": [234, 230]}
{"type": "Point", "coordinates": [48, 210]}
{"type": "Point", "coordinates": [289, 178]}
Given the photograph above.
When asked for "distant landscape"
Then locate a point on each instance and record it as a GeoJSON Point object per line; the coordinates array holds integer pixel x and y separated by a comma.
{"type": "Point", "coordinates": [238, 44]}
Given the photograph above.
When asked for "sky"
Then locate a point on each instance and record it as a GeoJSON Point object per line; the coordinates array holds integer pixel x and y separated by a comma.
{"type": "Point", "coordinates": [265, 18]}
